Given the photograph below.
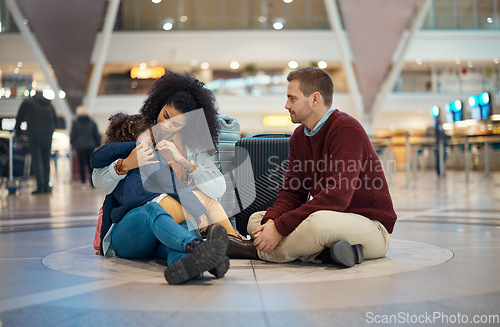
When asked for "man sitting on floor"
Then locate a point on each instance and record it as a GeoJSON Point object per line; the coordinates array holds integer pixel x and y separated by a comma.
{"type": "Point", "coordinates": [335, 203]}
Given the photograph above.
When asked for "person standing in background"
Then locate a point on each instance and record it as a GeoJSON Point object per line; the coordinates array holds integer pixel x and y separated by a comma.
{"type": "Point", "coordinates": [84, 138]}
{"type": "Point", "coordinates": [41, 119]}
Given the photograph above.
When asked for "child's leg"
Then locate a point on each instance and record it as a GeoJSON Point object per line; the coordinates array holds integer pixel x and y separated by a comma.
{"type": "Point", "coordinates": [216, 213]}
{"type": "Point", "coordinates": [138, 233]}
{"type": "Point", "coordinates": [172, 256]}
{"type": "Point", "coordinates": [173, 208]}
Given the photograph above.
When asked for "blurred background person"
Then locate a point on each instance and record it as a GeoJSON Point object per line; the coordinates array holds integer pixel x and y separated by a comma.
{"type": "Point", "coordinates": [41, 119]}
{"type": "Point", "coordinates": [84, 138]}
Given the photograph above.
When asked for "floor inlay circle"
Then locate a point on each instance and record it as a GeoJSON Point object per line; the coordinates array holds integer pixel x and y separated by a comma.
{"type": "Point", "coordinates": [403, 256]}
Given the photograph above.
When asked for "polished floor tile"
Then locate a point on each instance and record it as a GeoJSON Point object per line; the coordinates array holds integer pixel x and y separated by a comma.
{"type": "Point", "coordinates": [441, 269]}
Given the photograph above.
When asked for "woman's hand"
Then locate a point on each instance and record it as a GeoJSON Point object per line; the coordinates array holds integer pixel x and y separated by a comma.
{"type": "Point", "coordinates": [170, 151]}
{"type": "Point", "coordinates": [145, 154]}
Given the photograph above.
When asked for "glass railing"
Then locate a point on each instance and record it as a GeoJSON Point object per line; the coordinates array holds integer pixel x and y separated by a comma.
{"type": "Point", "coordinates": [195, 15]}
{"type": "Point", "coordinates": [463, 14]}
{"type": "Point", "coordinates": [221, 15]}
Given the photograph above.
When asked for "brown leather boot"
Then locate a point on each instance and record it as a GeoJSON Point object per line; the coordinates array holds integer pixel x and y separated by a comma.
{"type": "Point", "coordinates": [241, 249]}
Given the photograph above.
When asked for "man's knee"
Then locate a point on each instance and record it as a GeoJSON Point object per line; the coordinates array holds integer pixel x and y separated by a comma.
{"type": "Point", "coordinates": [254, 221]}
{"type": "Point", "coordinates": [314, 224]}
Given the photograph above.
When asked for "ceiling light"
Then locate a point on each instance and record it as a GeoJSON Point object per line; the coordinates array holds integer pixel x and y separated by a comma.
{"type": "Point", "coordinates": [183, 18]}
{"type": "Point", "coordinates": [204, 65]}
{"type": "Point", "coordinates": [293, 64]}
{"type": "Point", "coordinates": [234, 64]}
{"type": "Point", "coordinates": [322, 64]}
{"type": "Point", "coordinates": [262, 19]}
{"type": "Point", "coordinates": [155, 1]}
{"type": "Point", "coordinates": [279, 23]}
{"type": "Point", "coordinates": [49, 94]}
{"type": "Point", "coordinates": [287, 1]}
{"type": "Point", "coordinates": [168, 24]}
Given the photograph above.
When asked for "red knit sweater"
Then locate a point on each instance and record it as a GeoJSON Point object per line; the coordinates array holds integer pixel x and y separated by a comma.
{"type": "Point", "coordinates": [340, 169]}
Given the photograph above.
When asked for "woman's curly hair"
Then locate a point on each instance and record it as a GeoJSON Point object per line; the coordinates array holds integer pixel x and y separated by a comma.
{"type": "Point", "coordinates": [126, 128]}
{"type": "Point", "coordinates": [186, 94]}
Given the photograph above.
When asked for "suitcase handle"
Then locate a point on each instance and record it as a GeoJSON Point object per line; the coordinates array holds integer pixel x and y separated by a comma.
{"type": "Point", "coordinates": [272, 134]}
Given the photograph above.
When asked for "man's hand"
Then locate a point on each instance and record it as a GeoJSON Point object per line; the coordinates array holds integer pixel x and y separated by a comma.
{"type": "Point", "coordinates": [267, 237]}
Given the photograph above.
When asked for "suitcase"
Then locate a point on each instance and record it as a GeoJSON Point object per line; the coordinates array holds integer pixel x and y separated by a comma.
{"type": "Point", "coordinates": [260, 166]}
{"type": "Point", "coordinates": [229, 135]}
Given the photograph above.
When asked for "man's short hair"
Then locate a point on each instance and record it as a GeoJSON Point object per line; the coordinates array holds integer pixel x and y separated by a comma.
{"type": "Point", "coordinates": [314, 79]}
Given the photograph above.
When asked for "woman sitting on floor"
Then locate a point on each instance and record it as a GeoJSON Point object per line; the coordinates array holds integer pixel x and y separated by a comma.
{"type": "Point", "coordinates": [184, 115]}
{"type": "Point", "coordinates": [135, 224]}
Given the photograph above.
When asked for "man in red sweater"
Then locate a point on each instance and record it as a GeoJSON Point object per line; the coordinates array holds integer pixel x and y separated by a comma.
{"type": "Point", "coordinates": [335, 204]}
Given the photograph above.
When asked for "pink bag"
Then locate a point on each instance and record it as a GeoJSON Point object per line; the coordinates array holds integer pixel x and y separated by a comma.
{"type": "Point", "coordinates": [97, 236]}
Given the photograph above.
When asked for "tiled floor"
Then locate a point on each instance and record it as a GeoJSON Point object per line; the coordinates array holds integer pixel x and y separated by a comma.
{"type": "Point", "coordinates": [442, 269]}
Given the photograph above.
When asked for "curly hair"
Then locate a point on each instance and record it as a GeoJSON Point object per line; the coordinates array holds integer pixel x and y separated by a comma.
{"type": "Point", "coordinates": [186, 94]}
{"type": "Point", "coordinates": [126, 128]}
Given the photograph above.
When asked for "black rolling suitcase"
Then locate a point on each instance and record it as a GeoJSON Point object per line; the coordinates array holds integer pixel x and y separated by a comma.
{"type": "Point", "coordinates": [258, 184]}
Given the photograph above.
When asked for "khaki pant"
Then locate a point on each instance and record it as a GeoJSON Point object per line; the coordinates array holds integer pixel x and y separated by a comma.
{"type": "Point", "coordinates": [322, 229]}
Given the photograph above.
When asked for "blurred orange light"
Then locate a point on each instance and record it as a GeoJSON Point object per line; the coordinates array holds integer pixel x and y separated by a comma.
{"type": "Point", "coordinates": [146, 73]}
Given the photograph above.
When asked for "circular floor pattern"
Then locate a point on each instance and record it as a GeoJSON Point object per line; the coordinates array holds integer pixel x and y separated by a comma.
{"type": "Point", "coordinates": [403, 256]}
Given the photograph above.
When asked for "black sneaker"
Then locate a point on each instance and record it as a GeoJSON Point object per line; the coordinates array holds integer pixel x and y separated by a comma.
{"type": "Point", "coordinates": [345, 254]}
{"type": "Point", "coordinates": [204, 255]}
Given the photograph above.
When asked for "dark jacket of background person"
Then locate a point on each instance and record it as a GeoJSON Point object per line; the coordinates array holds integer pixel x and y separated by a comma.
{"type": "Point", "coordinates": [39, 115]}
{"type": "Point", "coordinates": [41, 119]}
{"type": "Point", "coordinates": [84, 133]}
{"type": "Point", "coordinates": [84, 138]}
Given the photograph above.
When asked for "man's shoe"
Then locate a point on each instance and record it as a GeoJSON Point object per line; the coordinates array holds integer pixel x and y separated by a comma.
{"type": "Point", "coordinates": [203, 256]}
{"type": "Point", "coordinates": [345, 254]}
{"type": "Point", "coordinates": [38, 192]}
{"type": "Point", "coordinates": [241, 249]}
{"type": "Point", "coordinates": [221, 268]}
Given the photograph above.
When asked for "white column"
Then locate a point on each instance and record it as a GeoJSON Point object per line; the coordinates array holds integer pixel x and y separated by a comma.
{"type": "Point", "coordinates": [345, 55]}
{"type": "Point", "coordinates": [22, 23]}
{"type": "Point", "coordinates": [102, 51]}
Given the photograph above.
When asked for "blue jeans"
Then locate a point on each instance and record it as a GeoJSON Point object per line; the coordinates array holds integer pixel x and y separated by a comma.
{"type": "Point", "coordinates": [149, 231]}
